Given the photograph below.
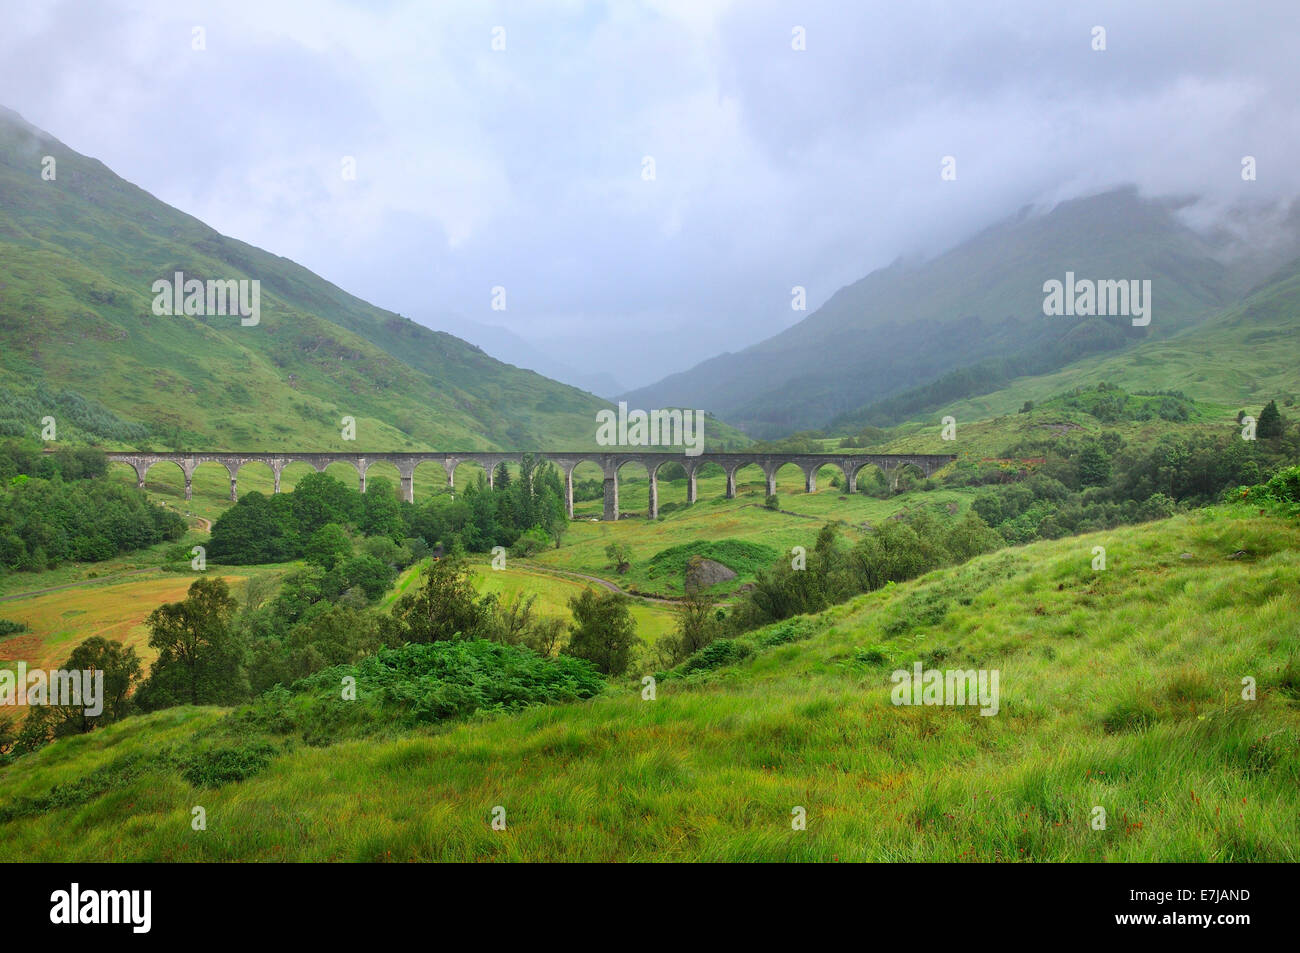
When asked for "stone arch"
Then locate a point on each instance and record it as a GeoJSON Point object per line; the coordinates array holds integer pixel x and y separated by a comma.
{"type": "Point", "coordinates": [261, 477]}
{"type": "Point", "coordinates": [779, 473]}
{"type": "Point", "coordinates": [463, 473]}
{"type": "Point", "coordinates": [214, 476]}
{"type": "Point", "coordinates": [816, 471]}
{"type": "Point", "coordinates": [697, 470]}
{"type": "Point", "coordinates": [165, 481]}
{"type": "Point", "coordinates": [291, 472]}
{"type": "Point", "coordinates": [869, 477]}
{"type": "Point", "coordinates": [742, 473]}
{"type": "Point", "coordinates": [670, 479]}
{"type": "Point", "coordinates": [905, 466]}
{"type": "Point", "coordinates": [347, 472]}
{"type": "Point", "coordinates": [381, 470]}
{"type": "Point", "coordinates": [423, 475]}
{"type": "Point", "coordinates": [612, 511]}
{"type": "Point", "coordinates": [583, 480]}
{"type": "Point", "coordinates": [128, 470]}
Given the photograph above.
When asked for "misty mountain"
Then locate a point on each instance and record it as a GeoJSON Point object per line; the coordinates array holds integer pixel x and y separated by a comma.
{"type": "Point", "coordinates": [507, 346]}
{"type": "Point", "coordinates": [977, 307]}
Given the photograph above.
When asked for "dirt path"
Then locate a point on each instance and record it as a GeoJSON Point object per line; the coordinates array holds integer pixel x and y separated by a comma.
{"type": "Point", "coordinates": [604, 583]}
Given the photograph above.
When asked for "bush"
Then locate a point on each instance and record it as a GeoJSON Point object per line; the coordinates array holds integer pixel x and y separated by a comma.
{"type": "Point", "coordinates": [531, 543]}
{"type": "Point", "coordinates": [8, 627]}
{"type": "Point", "coordinates": [418, 685]}
{"type": "Point", "coordinates": [217, 766]}
{"type": "Point", "coordinates": [715, 655]}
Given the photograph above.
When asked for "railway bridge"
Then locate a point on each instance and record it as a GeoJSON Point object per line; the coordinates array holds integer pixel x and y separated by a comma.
{"type": "Point", "coordinates": [891, 464]}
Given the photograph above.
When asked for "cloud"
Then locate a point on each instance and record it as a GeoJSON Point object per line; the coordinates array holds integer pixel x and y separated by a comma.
{"type": "Point", "coordinates": [522, 167]}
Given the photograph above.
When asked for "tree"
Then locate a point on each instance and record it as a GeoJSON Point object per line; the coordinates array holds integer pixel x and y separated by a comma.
{"type": "Point", "coordinates": [363, 572]}
{"type": "Point", "coordinates": [444, 608]}
{"type": "Point", "coordinates": [200, 659]}
{"type": "Point", "coordinates": [1270, 422]}
{"type": "Point", "coordinates": [697, 626]}
{"type": "Point", "coordinates": [603, 631]}
{"type": "Point", "coordinates": [619, 557]}
{"type": "Point", "coordinates": [257, 529]}
{"type": "Point", "coordinates": [501, 477]}
{"type": "Point", "coordinates": [120, 667]}
{"type": "Point", "coordinates": [1093, 464]}
{"type": "Point", "coordinates": [381, 513]}
{"type": "Point", "coordinates": [318, 499]}
{"type": "Point", "coordinates": [327, 546]}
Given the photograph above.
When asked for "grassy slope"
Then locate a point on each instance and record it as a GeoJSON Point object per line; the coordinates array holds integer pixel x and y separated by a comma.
{"type": "Point", "coordinates": [78, 256]}
{"type": "Point", "coordinates": [1239, 359]}
{"type": "Point", "coordinates": [712, 769]}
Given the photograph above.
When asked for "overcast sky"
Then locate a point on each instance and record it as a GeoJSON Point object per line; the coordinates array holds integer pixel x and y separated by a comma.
{"type": "Point", "coordinates": [523, 167]}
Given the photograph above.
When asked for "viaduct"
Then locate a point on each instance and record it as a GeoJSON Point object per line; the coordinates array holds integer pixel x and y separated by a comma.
{"type": "Point", "coordinates": [610, 463]}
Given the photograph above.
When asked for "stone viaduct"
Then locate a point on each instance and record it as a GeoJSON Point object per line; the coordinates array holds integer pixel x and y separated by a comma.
{"type": "Point", "coordinates": [610, 463]}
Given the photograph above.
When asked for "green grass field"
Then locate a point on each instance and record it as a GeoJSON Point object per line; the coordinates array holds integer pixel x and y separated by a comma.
{"type": "Point", "coordinates": [1120, 689]}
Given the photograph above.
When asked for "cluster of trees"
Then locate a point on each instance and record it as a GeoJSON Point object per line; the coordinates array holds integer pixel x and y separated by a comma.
{"type": "Point", "coordinates": [268, 529]}
{"type": "Point", "coordinates": [1110, 404]}
{"type": "Point", "coordinates": [53, 509]}
{"type": "Point", "coordinates": [26, 458]}
{"type": "Point", "coordinates": [447, 606]}
{"type": "Point", "coordinates": [214, 649]}
{"type": "Point", "coordinates": [1094, 483]}
{"type": "Point", "coordinates": [524, 512]}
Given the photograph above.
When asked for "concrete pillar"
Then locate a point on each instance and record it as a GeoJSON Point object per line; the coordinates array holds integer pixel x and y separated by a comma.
{"type": "Point", "coordinates": [451, 479]}
{"type": "Point", "coordinates": [810, 481]}
{"type": "Point", "coordinates": [362, 480]}
{"type": "Point", "coordinates": [234, 493]}
{"type": "Point", "coordinates": [611, 497]}
{"type": "Point", "coordinates": [568, 492]}
{"type": "Point", "coordinates": [691, 488]}
{"type": "Point", "coordinates": [492, 476]}
{"type": "Point", "coordinates": [275, 475]}
{"type": "Point", "coordinates": [654, 495]}
{"type": "Point", "coordinates": [771, 483]}
{"type": "Point", "coordinates": [731, 484]}
{"type": "Point", "coordinates": [189, 488]}
{"type": "Point", "coordinates": [850, 482]}
{"type": "Point", "coordinates": [408, 486]}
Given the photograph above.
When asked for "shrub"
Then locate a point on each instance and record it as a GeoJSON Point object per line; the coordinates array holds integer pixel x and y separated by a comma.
{"type": "Point", "coordinates": [716, 654]}
{"type": "Point", "coordinates": [217, 766]}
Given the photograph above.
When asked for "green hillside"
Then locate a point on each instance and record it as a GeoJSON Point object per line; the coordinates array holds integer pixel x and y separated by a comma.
{"type": "Point", "coordinates": [1238, 359]}
{"type": "Point", "coordinates": [79, 340]}
{"type": "Point", "coordinates": [976, 307]}
{"type": "Point", "coordinates": [1120, 689]}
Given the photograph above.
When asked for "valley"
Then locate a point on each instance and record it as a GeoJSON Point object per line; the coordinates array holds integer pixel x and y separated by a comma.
{"type": "Point", "coordinates": [594, 653]}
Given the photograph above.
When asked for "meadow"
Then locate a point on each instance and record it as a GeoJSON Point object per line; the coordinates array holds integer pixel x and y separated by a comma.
{"type": "Point", "coordinates": [1121, 689]}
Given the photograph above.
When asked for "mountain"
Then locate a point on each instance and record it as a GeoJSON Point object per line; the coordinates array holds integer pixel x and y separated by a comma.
{"type": "Point", "coordinates": [79, 339]}
{"type": "Point", "coordinates": [1239, 358]}
{"type": "Point", "coordinates": [975, 311]}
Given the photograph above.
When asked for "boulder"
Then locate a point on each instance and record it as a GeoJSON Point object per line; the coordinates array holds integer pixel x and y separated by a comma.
{"type": "Point", "coordinates": [702, 573]}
